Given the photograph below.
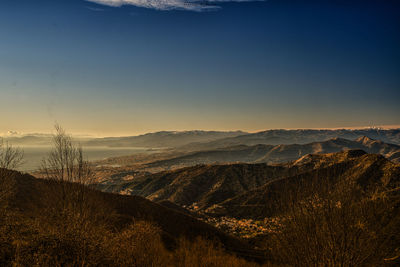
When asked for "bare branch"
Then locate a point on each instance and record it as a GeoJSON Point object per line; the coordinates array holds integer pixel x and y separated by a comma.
{"type": "Point", "coordinates": [10, 157]}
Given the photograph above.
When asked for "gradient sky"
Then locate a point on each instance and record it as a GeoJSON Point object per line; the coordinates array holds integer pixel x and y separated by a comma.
{"type": "Point", "coordinates": [114, 69]}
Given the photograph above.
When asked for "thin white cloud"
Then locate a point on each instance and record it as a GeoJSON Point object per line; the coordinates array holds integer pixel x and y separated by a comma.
{"type": "Point", "coordinates": [191, 5]}
{"type": "Point", "coordinates": [96, 9]}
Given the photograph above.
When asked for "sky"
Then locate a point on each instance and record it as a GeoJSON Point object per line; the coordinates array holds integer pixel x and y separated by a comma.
{"type": "Point", "coordinates": [125, 67]}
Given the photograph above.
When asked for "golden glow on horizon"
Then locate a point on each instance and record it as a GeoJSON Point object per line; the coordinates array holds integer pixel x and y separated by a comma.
{"type": "Point", "coordinates": [82, 134]}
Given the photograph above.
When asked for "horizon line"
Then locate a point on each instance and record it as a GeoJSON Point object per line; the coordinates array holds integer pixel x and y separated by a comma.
{"type": "Point", "coordinates": [86, 135]}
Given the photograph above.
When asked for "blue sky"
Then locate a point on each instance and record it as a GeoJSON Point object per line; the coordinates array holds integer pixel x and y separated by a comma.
{"type": "Point", "coordinates": [127, 66]}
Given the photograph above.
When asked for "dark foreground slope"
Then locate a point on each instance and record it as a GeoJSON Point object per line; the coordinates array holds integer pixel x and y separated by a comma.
{"type": "Point", "coordinates": [38, 201]}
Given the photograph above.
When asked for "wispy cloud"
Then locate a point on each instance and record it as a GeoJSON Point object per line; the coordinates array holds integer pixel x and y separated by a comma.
{"type": "Point", "coordinates": [95, 9]}
{"type": "Point", "coordinates": [191, 5]}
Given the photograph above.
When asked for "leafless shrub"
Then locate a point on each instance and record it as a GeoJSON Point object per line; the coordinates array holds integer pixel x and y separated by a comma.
{"type": "Point", "coordinates": [138, 245]}
{"type": "Point", "coordinates": [335, 224]}
{"type": "Point", "coordinates": [200, 252]}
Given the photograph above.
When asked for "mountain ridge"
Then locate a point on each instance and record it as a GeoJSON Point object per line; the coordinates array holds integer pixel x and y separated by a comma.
{"type": "Point", "coordinates": [301, 136]}
{"type": "Point", "coordinates": [262, 153]}
{"type": "Point", "coordinates": [209, 188]}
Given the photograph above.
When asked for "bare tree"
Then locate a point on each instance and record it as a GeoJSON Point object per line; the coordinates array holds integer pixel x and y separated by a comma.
{"type": "Point", "coordinates": [69, 175]}
{"type": "Point", "coordinates": [66, 163]}
{"type": "Point", "coordinates": [10, 158]}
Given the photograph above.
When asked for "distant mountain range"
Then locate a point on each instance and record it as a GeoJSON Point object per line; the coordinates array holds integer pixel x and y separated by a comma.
{"type": "Point", "coordinates": [162, 139]}
{"type": "Point", "coordinates": [278, 153]}
{"type": "Point", "coordinates": [208, 140]}
{"type": "Point", "coordinates": [31, 140]}
{"type": "Point", "coordinates": [282, 137]}
{"type": "Point", "coordinates": [165, 139]}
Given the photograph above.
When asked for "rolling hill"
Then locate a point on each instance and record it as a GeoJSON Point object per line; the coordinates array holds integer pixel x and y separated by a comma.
{"type": "Point", "coordinates": [202, 185]}
{"type": "Point", "coordinates": [243, 190]}
{"type": "Point", "coordinates": [369, 172]}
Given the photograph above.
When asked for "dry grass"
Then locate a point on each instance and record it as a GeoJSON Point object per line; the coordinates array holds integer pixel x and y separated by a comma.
{"type": "Point", "coordinates": [33, 244]}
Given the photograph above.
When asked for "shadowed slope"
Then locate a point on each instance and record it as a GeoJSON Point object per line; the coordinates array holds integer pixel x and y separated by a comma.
{"type": "Point", "coordinates": [203, 185]}
{"type": "Point", "coordinates": [243, 190]}
{"type": "Point", "coordinates": [30, 199]}
{"type": "Point", "coordinates": [368, 172]}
